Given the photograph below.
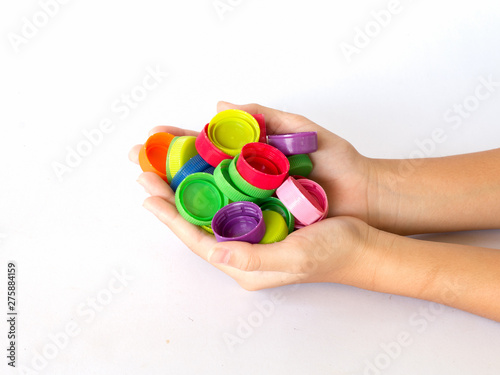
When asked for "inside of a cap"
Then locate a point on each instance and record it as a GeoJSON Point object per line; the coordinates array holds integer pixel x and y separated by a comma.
{"type": "Point", "coordinates": [201, 199]}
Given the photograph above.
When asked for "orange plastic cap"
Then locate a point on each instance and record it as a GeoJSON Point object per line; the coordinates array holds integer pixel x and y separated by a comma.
{"type": "Point", "coordinates": [153, 154]}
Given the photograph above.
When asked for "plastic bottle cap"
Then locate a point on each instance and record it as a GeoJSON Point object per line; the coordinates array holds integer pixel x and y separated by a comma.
{"type": "Point", "coordinates": [194, 165]}
{"type": "Point", "coordinates": [239, 221]}
{"type": "Point", "coordinates": [318, 193]}
{"type": "Point", "coordinates": [274, 204]}
{"type": "Point", "coordinates": [153, 154]}
{"type": "Point", "coordinates": [300, 164]}
{"type": "Point", "coordinates": [167, 169]}
{"type": "Point", "coordinates": [226, 185]}
{"type": "Point", "coordinates": [210, 170]}
{"type": "Point", "coordinates": [207, 149]}
{"type": "Point", "coordinates": [295, 143]}
{"type": "Point", "coordinates": [262, 125]}
{"type": "Point", "coordinates": [262, 165]}
{"type": "Point", "coordinates": [276, 228]}
{"type": "Point", "coordinates": [299, 201]}
{"type": "Point", "coordinates": [245, 186]}
{"type": "Point", "coordinates": [179, 153]}
{"type": "Point", "coordinates": [198, 198]}
{"type": "Point", "coordinates": [208, 229]}
{"type": "Point", "coordinates": [230, 130]}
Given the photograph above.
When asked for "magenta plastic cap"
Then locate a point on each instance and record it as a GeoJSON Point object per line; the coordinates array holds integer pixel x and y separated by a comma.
{"type": "Point", "coordinates": [295, 143]}
{"type": "Point", "coordinates": [318, 193]}
{"type": "Point", "coordinates": [303, 205]}
{"type": "Point", "coordinates": [239, 221]}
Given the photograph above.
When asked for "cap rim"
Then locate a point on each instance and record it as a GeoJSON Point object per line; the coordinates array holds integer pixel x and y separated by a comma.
{"type": "Point", "coordinates": [208, 150]}
{"type": "Point", "coordinates": [276, 228]}
{"type": "Point", "coordinates": [317, 191]}
{"type": "Point", "coordinates": [194, 165]}
{"type": "Point", "coordinates": [261, 120]}
{"type": "Point", "coordinates": [269, 203]}
{"type": "Point", "coordinates": [299, 201]}
{"type": "Point", "coordinates": [179, 203]}
{"type": "Point", "coordinates": [258, 178]}
{"type": "Point", "coordinates": [180, 152]}
{"type": "Point", "coordinates": [229, 212]}
{"type": "Point", "coordinates": [294, 143]}
{"type": "Point", "coordinates": [300, 164]}
{"type": "Point", "coordinates": [160, 140]}
{"type": "Point", "coordinates": [245, 186]}
{"type": "Point", "coordinates": [225, 184]}
{"type": "Point", "coordinates": [169, 174]}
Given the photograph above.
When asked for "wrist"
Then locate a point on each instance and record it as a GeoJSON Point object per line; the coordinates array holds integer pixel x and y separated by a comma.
{"type": "Point", "coordinates": [384, 198]}
{"type": "Point", "coordinates": [372, 258]}
{"type": "Point", "coordinates": [361, 246]}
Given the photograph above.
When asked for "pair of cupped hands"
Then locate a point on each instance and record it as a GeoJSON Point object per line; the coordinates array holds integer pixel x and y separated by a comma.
{"type": "Point", "coordinates": [327, 251]}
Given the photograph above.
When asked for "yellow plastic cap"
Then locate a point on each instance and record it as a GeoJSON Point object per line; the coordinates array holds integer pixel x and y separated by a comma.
{"type": "Point", "coordinates": [182, 150]}
{"type": "Point", "coordinates": [276, 228]}
{"type": "Point", "coordinates": [230, 130]}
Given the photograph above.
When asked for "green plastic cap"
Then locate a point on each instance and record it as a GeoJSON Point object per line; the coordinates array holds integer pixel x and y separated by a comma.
{"type": "Point", "coordinates": [245, 186]}
{"type": "Point", "coordinates": [198, 198]}
{"type": "Point", "coordinates": [227, 186]}
{"type": "Point", "coordinates": [274, 204]}
{"type": "Point", "coordinates": [300, 165]}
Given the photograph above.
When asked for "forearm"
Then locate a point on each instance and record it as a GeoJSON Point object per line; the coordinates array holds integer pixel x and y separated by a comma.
{"type": "Point", "coordinates": [452, 193]}
{"type": "Point", "coordinates": [464, 277]}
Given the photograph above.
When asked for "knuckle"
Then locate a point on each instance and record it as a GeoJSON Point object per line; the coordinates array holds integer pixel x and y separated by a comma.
{"type": "Point", "coordinates": [249, 262]}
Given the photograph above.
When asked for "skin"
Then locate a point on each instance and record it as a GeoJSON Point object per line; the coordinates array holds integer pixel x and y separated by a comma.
{"type": "Point", "coordinates": [372, 202]}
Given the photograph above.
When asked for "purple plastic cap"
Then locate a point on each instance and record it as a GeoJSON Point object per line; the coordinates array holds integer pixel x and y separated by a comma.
{"type": "Point", "coordinates": [239, 221]}
{"type": "Point", "coordinates": [294, 143]}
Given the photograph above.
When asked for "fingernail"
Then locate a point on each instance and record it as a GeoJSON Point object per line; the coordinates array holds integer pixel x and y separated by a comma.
{"type": "Point", "coordinates": [219, 256]}
{"type": "Point", "coordinates": [223, 102]}
{"type": "Point", "coordinates": [147, 206]}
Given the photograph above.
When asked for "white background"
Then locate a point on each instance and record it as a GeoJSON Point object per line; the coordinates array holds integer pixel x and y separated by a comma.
{"type": "Point", "coordinates": [69, 236]}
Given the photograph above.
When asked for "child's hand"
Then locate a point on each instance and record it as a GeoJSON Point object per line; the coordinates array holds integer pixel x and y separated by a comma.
{"type": "Point", "coordinates": [328, 251]}
{"type": "Point", "coordinates": [338, 167]}
{"type": "Point", "coordinates": [345, 249]}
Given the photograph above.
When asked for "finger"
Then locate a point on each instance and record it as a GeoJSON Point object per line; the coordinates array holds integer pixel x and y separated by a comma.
{"type": "Point", "coordinates": [133, 154]}
{"type": "Point", "coordinates": [258, 280]}
{"type": "Point", "coordinates": [277, 122]}
{"type": "Point", "coordinates": [201, 242]}
{"type": "Point", "coordinates": [252, 108]}
{"type": "Point", "coordinates": [193, 236]}
{"type": "Point", "coordinates": [155, 186]}
{"type": "Point", "coordinates": [173, 130]}
{"type": "Point", "coordinates": [282, 256]}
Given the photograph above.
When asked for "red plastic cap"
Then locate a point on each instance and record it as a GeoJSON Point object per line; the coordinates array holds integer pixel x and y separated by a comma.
{"type": "Point", "coordinates": [262, 165]}
{"type": "Point", "coordinates": [262, 125]}
{"type": "Point", "coordinates": [208, 151]}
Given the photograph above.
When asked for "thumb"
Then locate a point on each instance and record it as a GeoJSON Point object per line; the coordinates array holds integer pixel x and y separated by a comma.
{"type": "Point", "coordinates": [280, 256]}
{"type": "Point", "coordinates": [277, 122]}
{"type": "Point", "coordinates": [252, 108]}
